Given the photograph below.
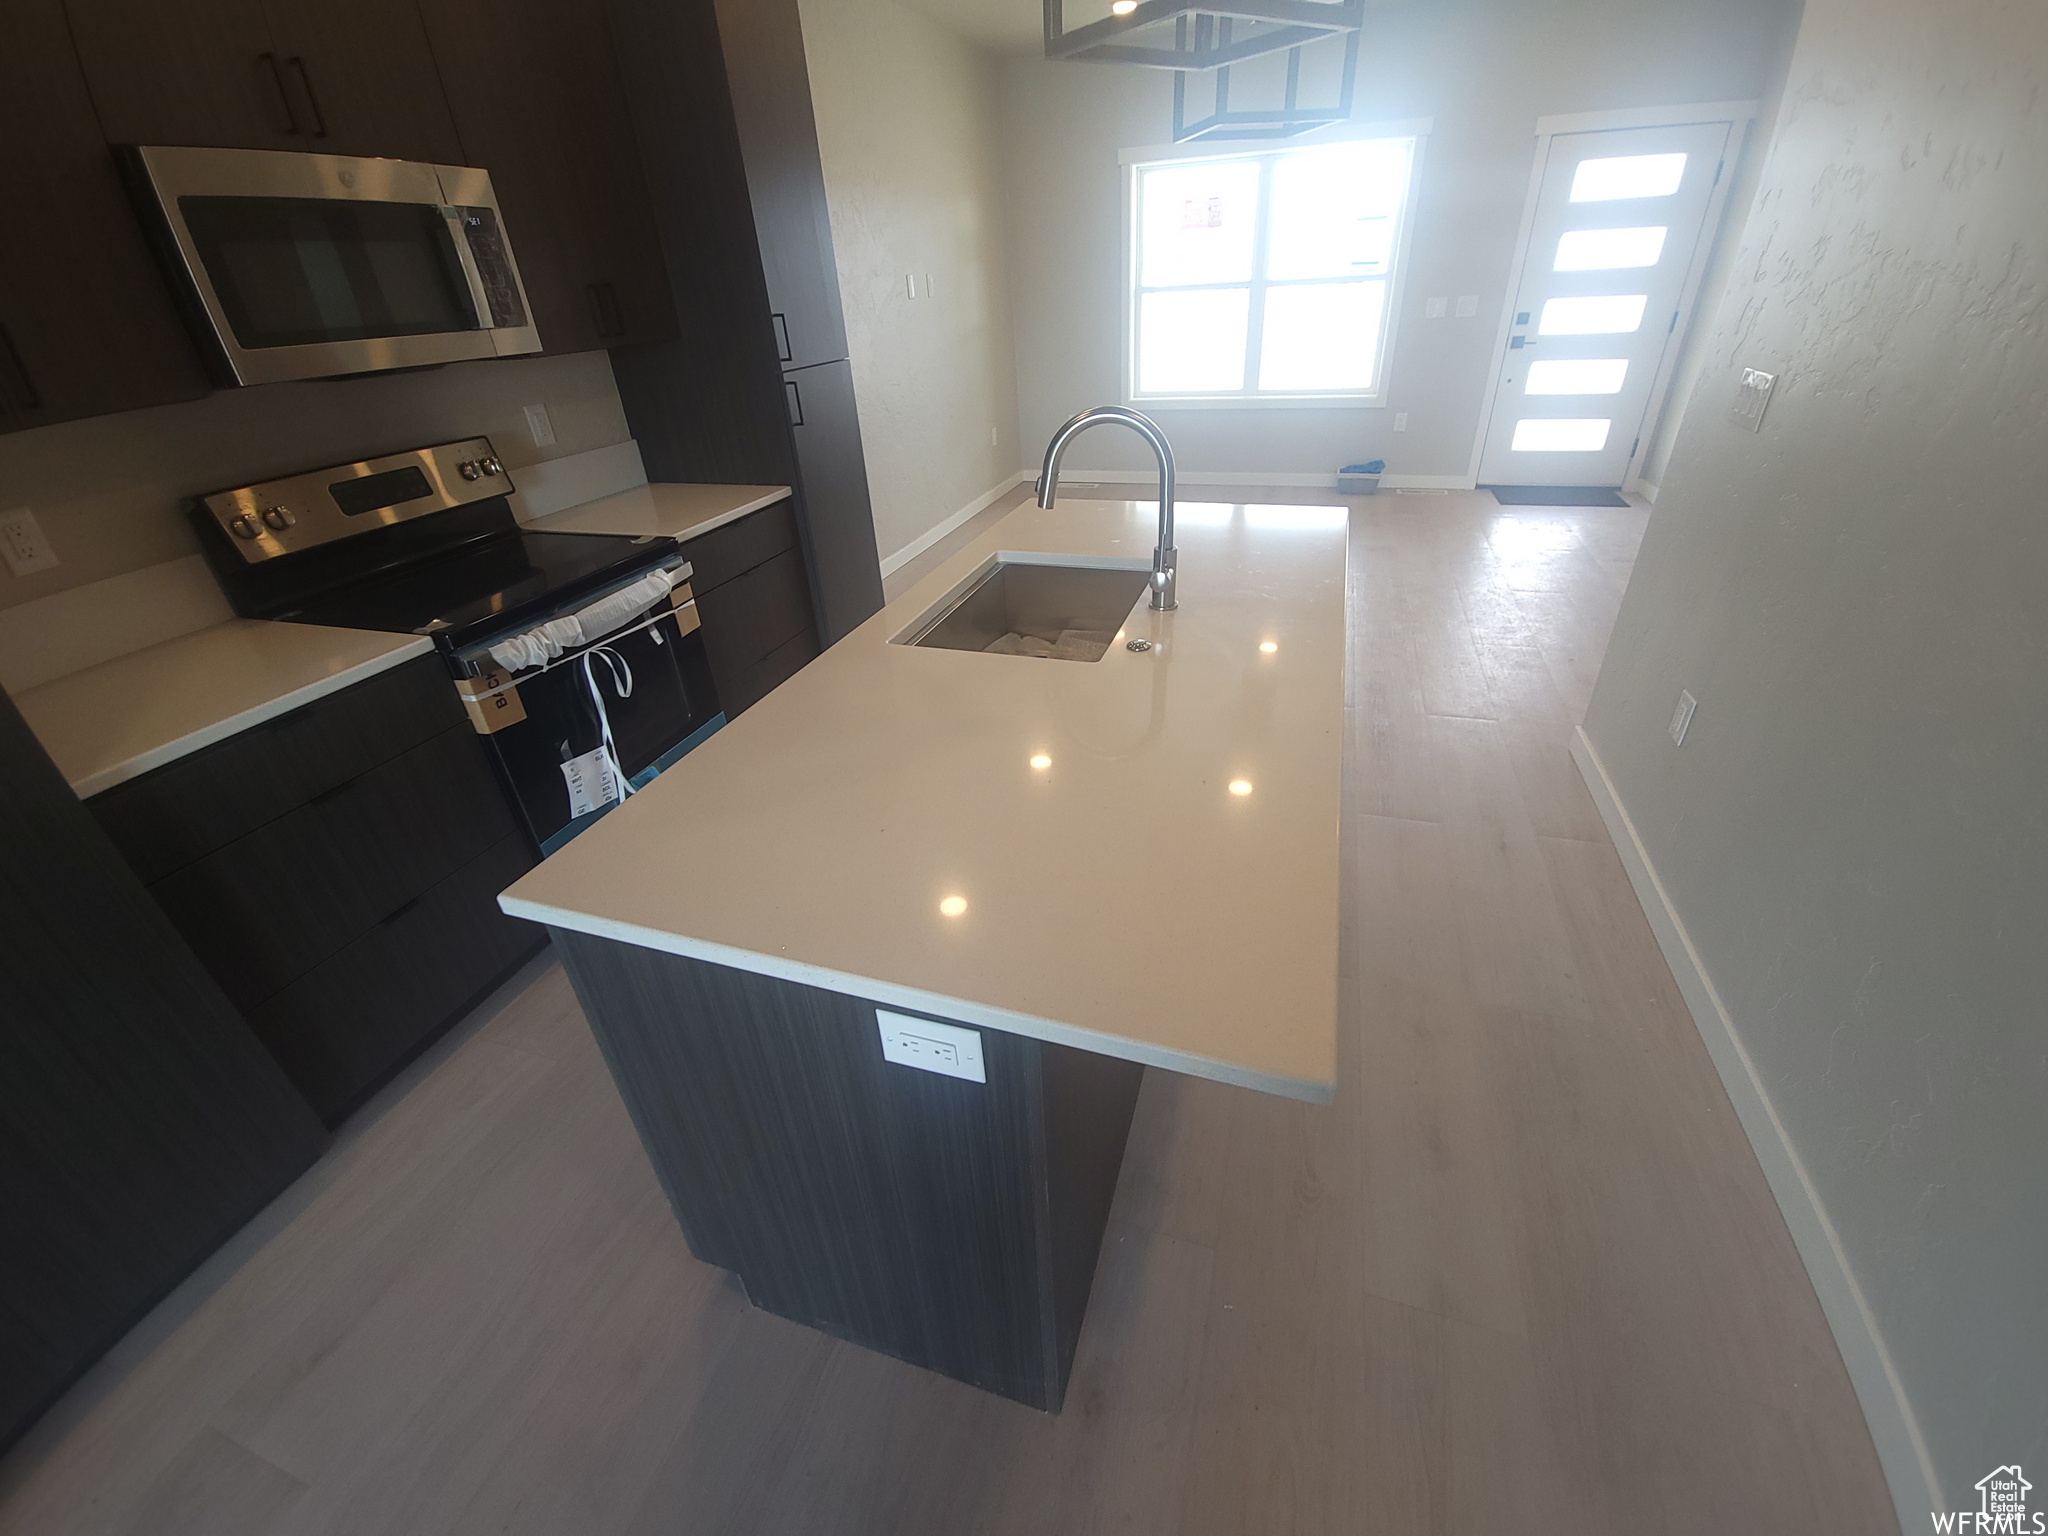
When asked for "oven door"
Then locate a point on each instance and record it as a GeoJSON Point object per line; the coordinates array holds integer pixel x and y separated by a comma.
{"type": "Point", "coordinates": [297, 266]}
{"type": "Point", "coordinates": [547, 734]}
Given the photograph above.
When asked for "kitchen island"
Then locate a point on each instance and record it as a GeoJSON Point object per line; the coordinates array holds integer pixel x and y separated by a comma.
{"type": "Point", "coordinates": [1073, 869]}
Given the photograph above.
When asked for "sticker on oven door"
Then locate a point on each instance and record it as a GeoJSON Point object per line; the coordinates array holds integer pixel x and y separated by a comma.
{"type": "Point", "coordinates": [592, 783]}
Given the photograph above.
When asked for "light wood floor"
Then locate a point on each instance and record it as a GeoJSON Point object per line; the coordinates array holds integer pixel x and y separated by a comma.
{"type": "Point", "coordinates": [1524, 1275]}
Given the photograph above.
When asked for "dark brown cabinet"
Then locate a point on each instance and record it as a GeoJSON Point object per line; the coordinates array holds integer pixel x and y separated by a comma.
{"type": "Point", "coordinates": [336, 870]}
{"type": "Point", "coordinates": [140, 1121]}
{"type": "Point", "coordinates": [755, 601]}
{"type": "Point", "coordinates": [833, 472]}
{"type": "Point", "coordinates": [538, 101]}
{"type": "Point", "coordinates": [339, 77]}
{"type": "Point", "coordinates": [771, 96]}
{"type": "Point", "coordinates": [86, 324]}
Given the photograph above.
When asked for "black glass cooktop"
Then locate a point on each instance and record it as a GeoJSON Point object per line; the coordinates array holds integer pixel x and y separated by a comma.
{"type": "Point", "coordinates": [483, 588]}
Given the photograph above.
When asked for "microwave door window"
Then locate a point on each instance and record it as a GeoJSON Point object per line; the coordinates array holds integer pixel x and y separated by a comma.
{"type": "Point", "coordinates": [292, 271]}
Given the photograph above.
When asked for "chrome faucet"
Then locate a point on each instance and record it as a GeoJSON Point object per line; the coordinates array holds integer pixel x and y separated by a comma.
{"type": "Point", "coordinates": [1164, 555]}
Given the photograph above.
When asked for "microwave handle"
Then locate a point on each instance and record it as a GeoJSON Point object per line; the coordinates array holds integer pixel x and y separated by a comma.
{"type": "Point", "coordinates": [479, 296]}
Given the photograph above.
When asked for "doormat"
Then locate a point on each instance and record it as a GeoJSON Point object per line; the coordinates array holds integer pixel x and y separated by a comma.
{"type": "Point", "coordinates": [1554, 496]}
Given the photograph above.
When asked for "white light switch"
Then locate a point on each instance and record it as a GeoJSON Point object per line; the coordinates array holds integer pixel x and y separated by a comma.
{"type": "Point", "coordinates": [1681, 717]}
{"type": "Point", "coordinates": [1433, 309]}
{"type": "Point", "coordinates": [910, 285]}
{"type": "Point", "coordinates": [22, 540]}
{"type": "Point", "coordinates": [1468, 305]}
{"type": "Point", "coordinates": [538, 426]}
{"type": "Point", "coordinates": [929, 1046]}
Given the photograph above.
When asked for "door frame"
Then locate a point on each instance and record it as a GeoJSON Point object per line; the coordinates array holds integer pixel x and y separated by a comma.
{"type": "Point", "coordinates": [1741, 115]}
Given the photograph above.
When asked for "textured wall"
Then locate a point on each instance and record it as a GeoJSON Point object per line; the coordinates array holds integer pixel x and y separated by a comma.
{"type": "Point", "coordinates": [109, 491]}
{"type": "Point", "coordinates": [907, 132]}
{"type": "Point", "coordinates": [1485, 72]}
{"type": "Point", "coordinates": [1855, 832]}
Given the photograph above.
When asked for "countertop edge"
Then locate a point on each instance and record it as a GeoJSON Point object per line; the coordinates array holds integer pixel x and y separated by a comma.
{"type": "Point", "coordinates": [220, 730]}
{"type": "Point", "coordinates": [1308, 1091]}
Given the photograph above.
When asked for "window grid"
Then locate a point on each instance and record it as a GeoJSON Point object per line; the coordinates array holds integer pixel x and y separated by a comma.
{"type": "Point", "coordinates": [1257, 288]}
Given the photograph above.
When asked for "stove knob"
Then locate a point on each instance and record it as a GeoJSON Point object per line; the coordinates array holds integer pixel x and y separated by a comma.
{"type": "Point", "coordinates": [491, 466]}
{"type": "Point", "coordinates": [279, 517]}
{"type": "Point", "coordinates": [469, 469]}
{"type": "Point", "coordinates": [243, 526]}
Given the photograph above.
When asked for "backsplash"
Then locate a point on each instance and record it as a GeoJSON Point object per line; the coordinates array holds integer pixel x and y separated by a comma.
{"type": "Point", "coordinates": [109, 491]}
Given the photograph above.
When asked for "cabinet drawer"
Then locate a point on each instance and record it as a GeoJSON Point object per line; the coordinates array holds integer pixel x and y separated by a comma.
{"type": "Point", "coordinates": [757, 613]}
{"type": "Point", "coordinates": [724, 553]}
{"type": "Point", "coordinates": [188, 809]}
{"type": "Point", "coordinates": [346, 1025]}
{"type": "Point", "coordinates": [267, 908]}
{"type": "Point", "coordinates": [776, 668]}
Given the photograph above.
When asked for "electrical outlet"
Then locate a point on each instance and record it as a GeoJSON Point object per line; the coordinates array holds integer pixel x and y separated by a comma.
{"type": "Point", "coordinates": [538, 427]}
{"type": "Point", "coordinates": [1681, 717]}
{"type": "Point", "coordinates": [1468, 305]}
{"type": "Point", "coordinates": [930, 1046]}
{"type": "Point", "coordinates": [1400, 421]}
{"type": "Point", "coordinates": [1753, 397]}
{"type": "Point", "coordinates": [1433, 309]}
{"type": "Point", "coordinates": [23, 541]}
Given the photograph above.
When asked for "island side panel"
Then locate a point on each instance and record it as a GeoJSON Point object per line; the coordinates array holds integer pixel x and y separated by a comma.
{"type": "Point", "coordinates": [1089, 1101]}
{"type": "Point", "coordinates": [899, 1209]}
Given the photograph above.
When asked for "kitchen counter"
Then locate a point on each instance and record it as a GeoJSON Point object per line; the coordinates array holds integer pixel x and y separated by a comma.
{"type": "Point", "coordinates": [680, 511]}
{"type": "Point", "coordinates": [1122, 900]}
{"type": "Point", "coordinates": [118, 720]}
{"type": "Point", "coordinates": [121, 718]}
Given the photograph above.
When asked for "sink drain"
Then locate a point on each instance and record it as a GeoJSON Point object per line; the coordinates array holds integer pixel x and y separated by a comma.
{"type": "Point", "coordinates": [1137, 645]}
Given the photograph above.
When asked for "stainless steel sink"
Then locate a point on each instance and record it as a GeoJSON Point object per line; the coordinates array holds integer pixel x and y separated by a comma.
{"type": "Point", "coordinates": [1039, 600]}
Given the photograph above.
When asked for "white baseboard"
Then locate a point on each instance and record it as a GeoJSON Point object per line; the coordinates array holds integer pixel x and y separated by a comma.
{"type": "Point", "coordinates": [1894, 1429]}
{"type": "Point", "coordinates": [66, 632]}
{"type": "Point", "coordinates": [1647, 489]}
{"type": "Point", "coordinates": [552, 485]}
{"type": "Point", "coordinates": [1263, 477]}
{"type": "Point", "coordinates": [891, 564]}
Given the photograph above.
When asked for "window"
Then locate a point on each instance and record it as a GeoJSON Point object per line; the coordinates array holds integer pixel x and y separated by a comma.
{"type": "Point", "coordinates": [1266, 277]}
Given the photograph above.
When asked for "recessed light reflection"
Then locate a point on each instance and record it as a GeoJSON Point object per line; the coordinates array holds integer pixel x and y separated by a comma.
{"type": "Point", "coordinates": [1240, 786]}
{"type": "Point", "coordinates": [1122, 7]}
{"type": "Point", "coordinates": [953, 906]}
{"type": "Point", "coordinates": [1268, 647]}
{"type": "Point", "coordinates": [1040, 760]}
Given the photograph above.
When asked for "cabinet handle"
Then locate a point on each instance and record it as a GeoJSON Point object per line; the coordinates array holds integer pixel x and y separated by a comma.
{"type": "Point", "coordinates": [782, 338]}
{"type": "Point", "coordinates": [392, 917]}
{"type": "Point", "coordinates": [604, 310]}
{"type": "Point", "coordinates": [306, 82]}
{"type": "Point", "coordinates": [284, 97]}
{"type": "Point", "coordinates": [796, 403]}
{"type": "Point", "coordinates": [20, 385]}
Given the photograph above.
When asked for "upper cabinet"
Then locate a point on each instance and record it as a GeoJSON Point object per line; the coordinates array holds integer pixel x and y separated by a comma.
{"type": "Point", "coordinates": [771, 99]}
{"type": "Point", "coordinates": [86, 324]}
{"type": "Point", "coordinates": [538, 101]}
{"type": "Point", "coordinates": [337, 77]}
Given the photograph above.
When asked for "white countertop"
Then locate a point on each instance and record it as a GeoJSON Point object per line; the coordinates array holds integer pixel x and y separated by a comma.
{"type": "Point", "coordinates": [680, 511]}
{"type": "Point", "coordinates": [1122, 899]}
{"type": "Point", "coordinates": [118, 720]}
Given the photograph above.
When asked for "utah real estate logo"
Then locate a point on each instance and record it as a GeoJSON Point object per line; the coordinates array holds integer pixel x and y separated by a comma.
{"type": "Point", "coordinates": [2001, 1511]}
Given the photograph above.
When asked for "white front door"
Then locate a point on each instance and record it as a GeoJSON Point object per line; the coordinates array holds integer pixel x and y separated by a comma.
{"type": "Point", "coordinates": [1620, 222]}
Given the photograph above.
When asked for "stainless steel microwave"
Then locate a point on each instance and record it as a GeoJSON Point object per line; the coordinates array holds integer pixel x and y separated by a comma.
{"type": "Point", "coordinates": [297, 266]}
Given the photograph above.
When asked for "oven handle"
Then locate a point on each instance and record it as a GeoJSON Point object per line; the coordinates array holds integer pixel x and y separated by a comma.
{"type": "Point", "coordinates": [479, 296]}
{"type": "Point", "coordinates": [680, 613]}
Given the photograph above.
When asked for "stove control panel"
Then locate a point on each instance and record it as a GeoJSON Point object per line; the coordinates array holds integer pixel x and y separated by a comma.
{"type": "Point", "coordinates": [280, 517]}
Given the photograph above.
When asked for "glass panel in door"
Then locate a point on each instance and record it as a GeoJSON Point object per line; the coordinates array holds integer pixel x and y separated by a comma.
{"type": "Point", "coordinates": [1620, 223]}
